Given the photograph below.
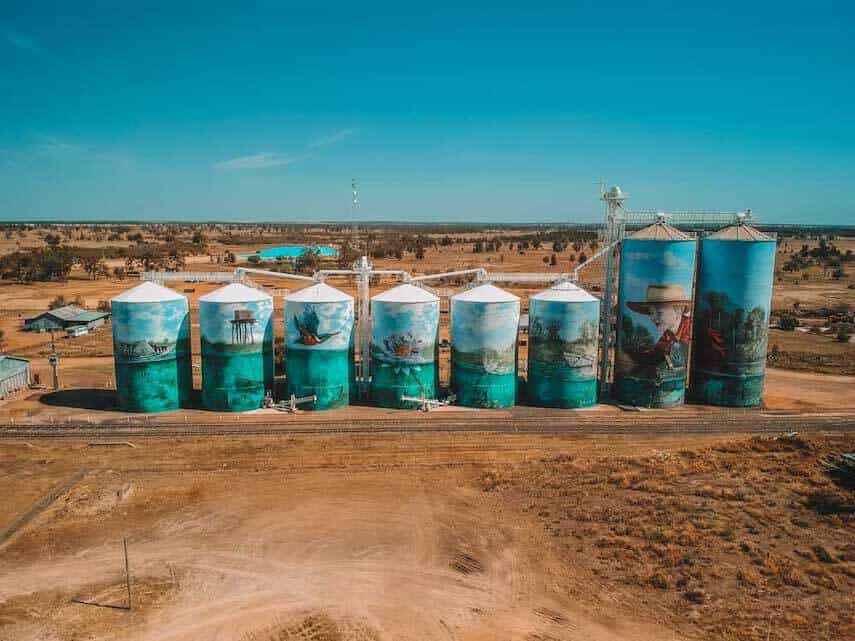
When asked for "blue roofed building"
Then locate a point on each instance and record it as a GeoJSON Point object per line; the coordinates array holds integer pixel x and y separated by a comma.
{"type": "Point", "coordinates": [64, 318]}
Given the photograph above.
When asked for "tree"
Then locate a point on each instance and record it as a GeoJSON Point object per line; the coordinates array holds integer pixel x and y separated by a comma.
{"type": "Point", "coordinates": [308, 261]}
{"type": "Point", "coordinates": [53, 240]}
{"type": "Point", "coordinates": [553, 260]}
{"type": "Point", "coordinates": [2, 340]}
{"type": "Point", "coordinates": [199, 238]}
{"type": "Point", "coordinates": [119, 272]}
{"type": "Point", "coordinates": [94, 266]}
{"type": "Point", "coordinates": [478, 247]}
{"type": "Point", "coordinates": [104, 306]}
{"type": "Point", "coordinates": [59, 301]}
{"type": "Point", "coordinates": [582, 258]}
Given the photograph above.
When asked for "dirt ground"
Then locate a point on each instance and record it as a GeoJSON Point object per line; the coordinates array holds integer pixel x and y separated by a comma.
{"type": "Point", "coordinates": [437, 536]}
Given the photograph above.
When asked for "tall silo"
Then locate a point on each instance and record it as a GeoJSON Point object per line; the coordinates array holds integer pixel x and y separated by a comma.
{"type": "Point", "coordinates": [484, 325]}
{"type": "Point", "coordinates": [319, 345]}
{"type": "Point", "coordinates": [657, 267]}
{"type": "Point", "coordinates": [151, 347]}
{"type": "Point", "coordinates": [731, 324]}
{"type": "Point", "coordinates": [236, 326]}
{"type": "Point", "coordinates": [562, 347]}
{"type": "Point", "coordinates": [404, 332]}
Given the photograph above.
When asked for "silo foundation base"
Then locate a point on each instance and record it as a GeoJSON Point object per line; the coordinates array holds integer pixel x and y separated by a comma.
{"type": "Point", "coordinates": [727, 390]}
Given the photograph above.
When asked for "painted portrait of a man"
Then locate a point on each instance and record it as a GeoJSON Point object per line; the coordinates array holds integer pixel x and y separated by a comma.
{"type": "Point", "coordinates": [667, 307]}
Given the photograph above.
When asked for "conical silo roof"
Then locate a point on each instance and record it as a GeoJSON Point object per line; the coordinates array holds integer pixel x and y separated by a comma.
{"type": "Point", "coordinates": [318, 293]}
{"type": "Point", "coordinates": [405, 293]}
{"type": "Point", "coordinates": [147, 292]}
{"type": "Point", "coordinates": [486, 293]}
{"type": "Point", "coordinates": [234, 293]}
{"type": "Point", "coordinates": [565, 292]}
{"type": "Point", "coordinates": [660, 230]}
{"type": "Point", "coordinates": [740, 231]}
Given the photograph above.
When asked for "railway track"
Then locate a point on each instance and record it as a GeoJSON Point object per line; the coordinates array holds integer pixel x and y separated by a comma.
{"type": "Point", "coordinates": [754, 422]}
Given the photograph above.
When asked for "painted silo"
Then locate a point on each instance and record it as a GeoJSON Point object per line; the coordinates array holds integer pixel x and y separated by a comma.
{"type": "Point", "coordinates": [562, 347]}
{"type": "Point", "coordinates": [319, 345]}
{"type": "Point", "coordinates": [731, 324]}
{"type": "Point", "coordinates": [151, 347]}
{"type": "Point", "coordinates": [236, 326]}
{"type": "Point", "coordinates": [404, 332]}
{"type": "Point", "coordinates": [484, 325]}
{"type": "Point", "coordinates": [657, 267]}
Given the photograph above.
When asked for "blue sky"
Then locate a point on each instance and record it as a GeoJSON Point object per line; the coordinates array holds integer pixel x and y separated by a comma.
{"type": "Point", "coordinates": [451, 112]}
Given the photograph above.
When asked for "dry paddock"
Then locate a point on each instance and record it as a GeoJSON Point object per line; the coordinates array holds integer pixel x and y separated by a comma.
{"type": "Point", "coordinates": [469, 536]}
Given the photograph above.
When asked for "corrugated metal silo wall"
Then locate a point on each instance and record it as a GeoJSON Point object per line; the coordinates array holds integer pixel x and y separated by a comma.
{"type": "Point", "coordinates": [151, 347]}
{"type": "Point", "coordinates": [319, 359]}
{"type": "Point", "coordinates": [731, 324]}
{"type": "Point", "coordinates": [403, 352]}
{"type": "Point", "coordinates": [653, 321]}
{"type": "Point", "coordinates": [484, 352]}
{"type": "Point", "coordinates": [237, 355]}
{"type": "Point", "coordinates": [562, 353]}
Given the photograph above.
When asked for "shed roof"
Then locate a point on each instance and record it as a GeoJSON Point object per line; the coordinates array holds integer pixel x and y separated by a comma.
{"type": "Point", "coordinates": [89, 316]}
{"type": "Point", "coordinates": [66, 312]}
{"type": "Point", "coordinates": [10, 365]}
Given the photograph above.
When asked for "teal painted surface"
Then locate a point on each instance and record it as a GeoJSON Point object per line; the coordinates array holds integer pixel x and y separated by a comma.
{"type": "Point", "coordinates": [237, 354]}
{"type": "Point", "coordinates": [654, 321]}
{"type": "Point", "coordinates": [484, 353]}
{"type": "Point", "coordinates": [151, 346]}
{"type": "Point", "coordinates": [319, 352]}
{"type": "Point", "coordinates": [562, 352]}
{"type": "Point", "coordinates": [731, 325]}
{"type": "Point", "coordinates": [295, 251]}
{"type": "Point", "coordinates": [403, 352]}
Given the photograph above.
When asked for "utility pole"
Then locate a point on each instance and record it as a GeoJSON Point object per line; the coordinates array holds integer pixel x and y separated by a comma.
{"type": "Point", "coordinates": [53, 359]}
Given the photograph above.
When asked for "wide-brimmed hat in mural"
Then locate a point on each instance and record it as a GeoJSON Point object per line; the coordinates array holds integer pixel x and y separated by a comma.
{"type": "Point", "coordinates": [660, 295]}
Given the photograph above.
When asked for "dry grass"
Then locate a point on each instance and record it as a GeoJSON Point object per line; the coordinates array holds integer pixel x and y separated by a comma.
{"type": "Point", "coordinates": [719, 537]}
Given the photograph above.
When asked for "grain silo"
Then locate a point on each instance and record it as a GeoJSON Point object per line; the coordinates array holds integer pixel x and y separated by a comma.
{"type": "Point", "coordinates": [657, 266]}
{"type": "Point", "coordinates": [484, 325]}
{"type": "Point", "coordinates": [151, 347]}
{"type": "Point", "coordinates": [404, 332]}
{"type": "Point", "coordinates": [236, 327]}
{"type": "Point", "coordinates": [319, 345]}
{"type": "Point", "coordinates": [562, 347]}
{"type": "Point", "coordinates": [731, 324]}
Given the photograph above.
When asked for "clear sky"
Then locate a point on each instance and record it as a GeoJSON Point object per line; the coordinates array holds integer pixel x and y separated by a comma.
{"type": "Point", "coordinates": [264, 111]}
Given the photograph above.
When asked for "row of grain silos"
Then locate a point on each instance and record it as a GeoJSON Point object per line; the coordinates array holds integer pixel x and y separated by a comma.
{"type": "Point", "coordinates": [657, 333]}
{"type": "Point", "coordinates": [730, 292]}
{"type": "Point", "coordinates": [151, 332]}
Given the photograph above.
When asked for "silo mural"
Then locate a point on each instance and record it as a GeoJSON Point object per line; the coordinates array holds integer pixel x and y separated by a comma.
{"type": "Point", "coordinates": [319, 345]}
{"type": "Point", "coordinates": [731, 325]}
{"type": "Point", "coordinates": [404, 331]}
{"type": "Point", "coordinates": [657, 266]}
{"type": "Point", "coordinates": [151, 347]}
{"type": "Point", "coordinates": [236, 326]}
{"type": "Point", "coordinates": [484, 326]}
{"type": "Point", "coordinates": [562, 347]}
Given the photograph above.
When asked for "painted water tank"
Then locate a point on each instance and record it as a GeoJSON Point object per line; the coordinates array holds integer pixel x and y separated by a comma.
{"type": "Point", "coordinates": [236, 327]}
{"type": "Point", "coordinates": [151, 347]}
{"type": "Point", "coordinates": [562, 347]}
{"type": "Point", "coordinates": [657, 267]}
{"type": "Point", "coordinates": [731, 323]}
{"type": "Point", "coordinates": [404, 333]}
{"type": "Point", "coordinates": [484, 325]}
{"type": "Point", "coordinates": [319, 345]}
